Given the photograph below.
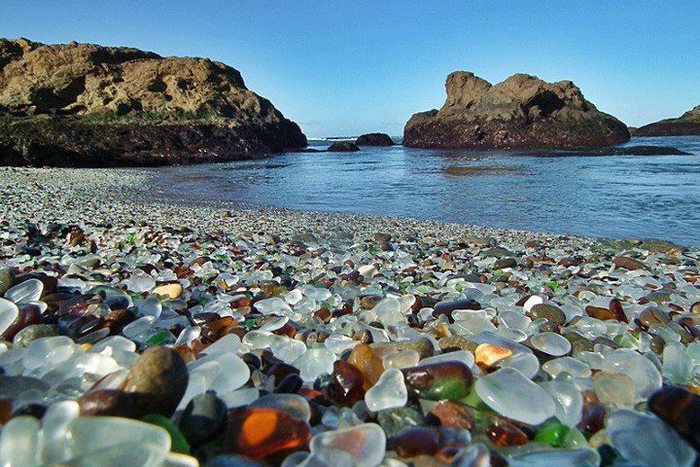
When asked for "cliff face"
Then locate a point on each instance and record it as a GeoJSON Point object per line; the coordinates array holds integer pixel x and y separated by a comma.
{"type": "Point", "coordinates": [520, 112]}
{"type": "Point", "coordinates": [87, 105]}
{"type": "Point", "coordinates": [686, 124]}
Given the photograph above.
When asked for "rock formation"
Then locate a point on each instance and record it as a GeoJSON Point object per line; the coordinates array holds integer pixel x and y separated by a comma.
{"type": "Point", "coordinates": [343, 146]}
{"type": "Point", "coordinates": [87, 105]}
{"type": "Point", "coordinates": [520, 112]}
{"type": "Point", "coordinates": [686, 124]}
{"type": "Point", "coordinates": [374, 139]}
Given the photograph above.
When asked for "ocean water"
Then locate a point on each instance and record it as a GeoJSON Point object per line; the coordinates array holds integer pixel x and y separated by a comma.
{"type": "Point", "coordinates": [610, 196]}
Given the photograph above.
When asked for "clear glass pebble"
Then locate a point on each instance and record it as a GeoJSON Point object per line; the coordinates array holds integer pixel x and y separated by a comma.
{"type": "Point", "coordinates": [512, 395]}
{"type": "Point", "coordinates": [25, 292]}
{"type": "Point", "coordinates": [388, 393]}
{"type": "Point", "coordinates": [365, 443]}
{"type": "Point", "coordinates": [551, 343]}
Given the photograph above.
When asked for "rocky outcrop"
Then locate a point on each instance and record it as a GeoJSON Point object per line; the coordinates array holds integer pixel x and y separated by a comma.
{"type": "Point", "coordinates": [87, 105]}
{"type": "Point", "coordinates": [686, 124]}
{"type": "Point", "coordinates": [521, 112]}
{"type": "Point", "coordinates": [374, 139]}
{"type": "Point", "coordinates": [343, 146]}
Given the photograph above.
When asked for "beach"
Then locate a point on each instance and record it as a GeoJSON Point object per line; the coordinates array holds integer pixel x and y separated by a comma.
{"type": "Point", "coordinates": [371, 339]}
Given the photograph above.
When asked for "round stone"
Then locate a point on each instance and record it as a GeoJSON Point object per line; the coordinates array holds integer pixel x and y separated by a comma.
{"type": "Point", "coordinates": [158, 380]}
{"type": "Point", "coordinates": [203, 418]}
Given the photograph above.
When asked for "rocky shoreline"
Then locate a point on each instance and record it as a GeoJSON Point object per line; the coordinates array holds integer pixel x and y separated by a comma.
{"type": "Point", "coordinates": [84, 105]}
{"type": "Point", "coordinates": [328, 338]}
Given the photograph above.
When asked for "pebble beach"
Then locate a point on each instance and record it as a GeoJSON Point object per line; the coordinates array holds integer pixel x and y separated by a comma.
{"type": "Point", "coordinates": [139, 329]}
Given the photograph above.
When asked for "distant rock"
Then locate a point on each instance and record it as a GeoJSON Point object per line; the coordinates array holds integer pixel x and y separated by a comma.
{"type": "Point", "coordinates": [520, 112]}
{"type": "Point", "coordinates": [374, 139]}
{"type": "Point", "coordinates": [343, 146]}
{"type": "Point", "coordinates": [87, 105]}
{"type": "Point", "coordinates": [686, 124]}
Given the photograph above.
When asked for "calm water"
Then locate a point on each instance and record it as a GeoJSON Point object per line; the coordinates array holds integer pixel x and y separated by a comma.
{"type": "Point", "coordinates": [614, 196]}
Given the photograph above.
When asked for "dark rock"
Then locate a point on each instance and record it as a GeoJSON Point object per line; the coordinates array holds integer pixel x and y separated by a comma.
{"type": "Point", "coordinates": [158, 379]}
{"type": "Point", "coordinates": [57, 108]}
{"type": "Point", "coordinates": [203, 418]}
{"type": "Point", "coordinates": [686, 124]}
{"type": "Point", "coordinates": [108, 402]}
{"type": "Point", "coordinates": [374, 139]}
{"type": "Point", "coordinates": [343, 146]}
{"type": "Point", "coordinates": [521, 112]}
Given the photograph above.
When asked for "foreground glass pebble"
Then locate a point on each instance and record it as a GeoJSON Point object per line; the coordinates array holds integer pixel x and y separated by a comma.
{"type": "Point", "coordinates": [402, 359]}
{"type": "Point", "coordinates": [315, 362]}
{"type": "Point", "coordinates": [568, 401]}
{"type": "Point", "coordinates": [389, 392]}
{"type": "Point", "coordinates": [512, 395]}
{"type": "Point", "coordinates": [437, 381]}
{"type": "Point", "coordinates": [131, 453]}
{"type": "Point", "coordinates": [19, 441]}
{"type": "Point", "coordinates": [525, 363]}
{"type": "Point", "coordinates": [293, 404]}
{"type": "Point", "coordinates": [677, 365]}
{"type": "Point", "coordinates": [259, 432]}
{"type": "Point", "coordinates": [570, 365]}
{"type": "Point", "coordinates": [273, 306]}
{"type": "Point", "coordinates": [556, 457]}
{"type": "Point", "coordinates": [463, 356]}
{"type": "Point", "coordinates": [55, 426]}
{"type": "Point", "coordinates": [551, 343]}
{"type": "Point", "coordinates": [25, 292]}
{"type": "Point", "coordinates": [645, 375]}
{"type": "Point", "coordinates": [95, 434]}
{"type": "Point", "coordinates": [614, 389]}
{"type": "Point", "coordinates": [366, 443]}
{"type": "Point", "coordinates": [8, 314]}
{"type": "Point", "coordinates": [645, 439]}
{"type": "Point", "coordinates": [140, 282]}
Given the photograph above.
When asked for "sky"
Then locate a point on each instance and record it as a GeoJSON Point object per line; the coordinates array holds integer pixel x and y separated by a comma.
{"type": "Point", "coordinates": [349, 67]}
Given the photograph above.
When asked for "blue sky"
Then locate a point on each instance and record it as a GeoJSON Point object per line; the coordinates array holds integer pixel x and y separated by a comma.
{"type": "Point", "coordinates": [346, 67]}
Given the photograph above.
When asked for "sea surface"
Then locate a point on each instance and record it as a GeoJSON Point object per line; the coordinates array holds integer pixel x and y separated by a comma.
{"type": "Point", "coordinates": [609, 196]}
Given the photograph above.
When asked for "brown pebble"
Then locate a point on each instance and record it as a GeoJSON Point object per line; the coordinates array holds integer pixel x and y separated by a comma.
{"type": "Point", "coordinates": [453, 415]}
{"type": "Point", "coordinates": [625, 262]}
{"type": "Point", "coordinates": [158, 379]}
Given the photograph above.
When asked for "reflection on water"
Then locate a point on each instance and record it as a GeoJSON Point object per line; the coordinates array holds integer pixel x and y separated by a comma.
{"type": "Point", "coordinates": [616, 196]}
